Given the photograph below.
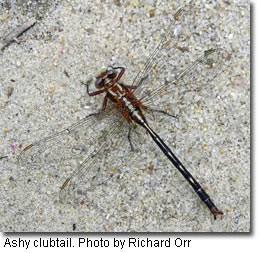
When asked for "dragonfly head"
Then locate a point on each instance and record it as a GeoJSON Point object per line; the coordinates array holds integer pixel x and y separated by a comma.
{"type": "Point", "coordinates": [106, 76]}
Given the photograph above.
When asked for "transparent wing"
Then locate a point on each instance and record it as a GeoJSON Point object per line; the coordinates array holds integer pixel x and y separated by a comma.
{"type": "Point", "coordinates": [206, 67]}
{"type": "Point", "coordinates": [87, 176]}
{"type": "Point", "coordinates": [158, 58]}
{"type": "Point", "coordinates": [59, 154]}
{"type": "Point", "coordinates": [67, 144]}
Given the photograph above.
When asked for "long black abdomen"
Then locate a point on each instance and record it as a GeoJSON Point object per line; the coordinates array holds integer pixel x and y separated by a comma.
{"type": "Point", "coordinates": [176, 162]}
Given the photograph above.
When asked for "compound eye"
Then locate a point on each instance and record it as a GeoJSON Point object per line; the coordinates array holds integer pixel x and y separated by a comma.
{"type": "Point", "coordinates": [111, 74]}
{"type": "Point", "coordinates": [99, 83]}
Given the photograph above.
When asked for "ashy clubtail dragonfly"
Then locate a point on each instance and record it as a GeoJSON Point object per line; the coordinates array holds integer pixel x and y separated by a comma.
{"type": "Point", "coordinates": [124, 99]}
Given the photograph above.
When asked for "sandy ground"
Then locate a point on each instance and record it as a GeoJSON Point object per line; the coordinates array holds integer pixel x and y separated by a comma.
{"type": "Point", "coordinates": [41, 92]}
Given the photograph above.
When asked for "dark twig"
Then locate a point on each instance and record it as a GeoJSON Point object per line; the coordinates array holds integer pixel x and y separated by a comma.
{"type": "Point", "coordinates": [12, 36]}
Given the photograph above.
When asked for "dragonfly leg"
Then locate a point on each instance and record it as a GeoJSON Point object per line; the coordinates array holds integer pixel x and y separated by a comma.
{"type": "Point", "coordinates": [160, 111]}
{"type": "Point", "coordinates": [104, 103]}
{"type": "Point", "coordinates": [129, 138]}
{"type": "Point", "coordinates": [142, 80]}
{"type": "Point", "coordinates": [132, 87]}
{"type": "Point", "coordinates": [94, 93]}
{"type": "Point", "coordinates": [120, 74]}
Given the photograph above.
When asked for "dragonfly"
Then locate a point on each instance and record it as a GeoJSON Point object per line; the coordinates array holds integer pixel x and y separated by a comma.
{"type": "Point", "coordinates": [123, 100]}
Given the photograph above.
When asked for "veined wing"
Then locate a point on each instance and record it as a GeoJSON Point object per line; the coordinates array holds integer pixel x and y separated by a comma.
{"type": "Point", "coordinates": [159, 55]}
{"type": "Point", "coordinates": [83, 179]}
{"type": "Point", "coordinates": [65, 144]}
{"type": "Point", "coordinates": [210, 64]}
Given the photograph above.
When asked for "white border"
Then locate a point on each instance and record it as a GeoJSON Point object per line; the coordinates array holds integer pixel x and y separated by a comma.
{"type": "Point", "coordinates": [244, 242]}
